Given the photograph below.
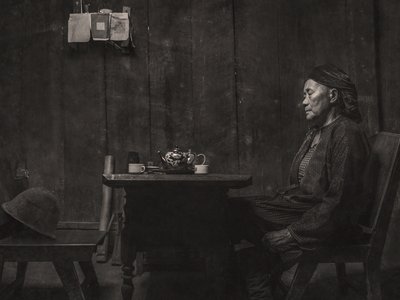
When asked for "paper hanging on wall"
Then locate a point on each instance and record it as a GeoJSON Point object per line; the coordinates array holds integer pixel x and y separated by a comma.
{"type": "Point", "coordinates": [78, 28]}
{"type": "Point", "coordinates": [100, 26]}
{"type": "Point", "coordinates": [119, 29]}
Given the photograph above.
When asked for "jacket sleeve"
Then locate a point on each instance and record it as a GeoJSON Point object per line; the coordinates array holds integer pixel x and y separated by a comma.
{"type": "Point", "coordinates": [337, 207]}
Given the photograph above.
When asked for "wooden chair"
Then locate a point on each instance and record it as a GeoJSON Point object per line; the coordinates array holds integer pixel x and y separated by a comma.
{"type": "Point", "coordinates": [69, 246]}
{"type": "Point", "coordinates": [381, 183]}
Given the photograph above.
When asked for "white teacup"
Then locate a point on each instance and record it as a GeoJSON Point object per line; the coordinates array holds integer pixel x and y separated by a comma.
{"type": "Point", "coordinates": [136, 168]}
{"type": "Point", "coordinates": [200, 169]}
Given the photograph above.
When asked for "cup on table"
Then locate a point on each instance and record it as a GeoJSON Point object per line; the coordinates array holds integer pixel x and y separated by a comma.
{"type": "Point", "coordinates": [136, 168]}
{"type": "Point", "coordinates": [200, 169]}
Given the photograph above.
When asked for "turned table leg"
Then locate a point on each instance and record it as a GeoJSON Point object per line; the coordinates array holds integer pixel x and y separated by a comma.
{"type": "Point", "coordinates": [128, 255]}
{"type": "Point", "coordinates": [127, 285]}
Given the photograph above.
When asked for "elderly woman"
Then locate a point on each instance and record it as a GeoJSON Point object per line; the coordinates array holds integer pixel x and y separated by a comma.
{"type": "Point", "coordinates": [322, 202]}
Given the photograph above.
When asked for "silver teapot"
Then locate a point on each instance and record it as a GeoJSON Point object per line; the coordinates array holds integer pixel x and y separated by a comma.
{"type": "Point", "coordinates": [177, 159]}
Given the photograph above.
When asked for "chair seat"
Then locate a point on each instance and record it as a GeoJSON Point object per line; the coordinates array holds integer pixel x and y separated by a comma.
{"type": "Point", "coordinates": [69, 246]}
{"type": "Point", "coordinates": [75, 245]}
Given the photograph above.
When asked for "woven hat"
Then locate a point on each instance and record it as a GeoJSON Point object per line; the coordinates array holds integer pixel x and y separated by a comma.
{"type": "Point", "coordinates": [37, 209]}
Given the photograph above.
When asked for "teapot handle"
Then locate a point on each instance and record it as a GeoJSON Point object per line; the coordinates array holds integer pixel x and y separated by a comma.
{"type": "Point", "coordinates": [204, 158]}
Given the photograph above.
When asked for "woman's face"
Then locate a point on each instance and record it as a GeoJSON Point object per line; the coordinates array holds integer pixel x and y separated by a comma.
{"type": "Point", "coordinates": [316, 100]}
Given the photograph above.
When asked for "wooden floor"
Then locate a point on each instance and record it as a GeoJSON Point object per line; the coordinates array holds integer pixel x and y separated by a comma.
{"type": "Point", "coordinates": [42, 283]}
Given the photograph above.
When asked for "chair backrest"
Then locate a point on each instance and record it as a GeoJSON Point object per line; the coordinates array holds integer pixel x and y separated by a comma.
{"type": "Point", "coordinates": [381, 182]}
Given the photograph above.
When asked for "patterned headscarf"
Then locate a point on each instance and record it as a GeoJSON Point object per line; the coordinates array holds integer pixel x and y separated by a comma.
{"type": "Point", "coordinates": [333, 77]}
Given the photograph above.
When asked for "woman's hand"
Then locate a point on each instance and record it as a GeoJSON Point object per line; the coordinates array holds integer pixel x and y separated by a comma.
{"type": "Point", "coordinates": [278, 241]}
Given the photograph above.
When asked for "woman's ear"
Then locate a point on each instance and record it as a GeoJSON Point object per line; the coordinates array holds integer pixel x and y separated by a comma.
{"type": "Point", "coordinates": [333, 95]}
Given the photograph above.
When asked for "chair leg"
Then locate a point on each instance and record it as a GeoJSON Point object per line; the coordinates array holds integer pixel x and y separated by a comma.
{"type": "Point", "coordinates": [90, 284]}
{"type": "Point", "coordinates": [21, 271]}
{"type": "Point", "coordinates": [69, 278]}
{"type": "Point", "coordinates": [341, 276]}
{"type": "Point", "coordinates": [8, 292]}
{"type": "Point", "coordinates": [302, 277]}
{"type": "Point", "coordinates": [3, 291]}
{"type": "Point", "coordinates": [20, 277]}
{"type": "Point", "coordinates": [373, 280]}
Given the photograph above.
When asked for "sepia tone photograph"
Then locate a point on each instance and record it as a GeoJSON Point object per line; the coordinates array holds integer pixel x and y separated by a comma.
{"type": "Point", "coordinates": [199, 150]}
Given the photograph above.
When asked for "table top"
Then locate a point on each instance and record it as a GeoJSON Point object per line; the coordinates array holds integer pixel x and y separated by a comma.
{"type": "Point", "coordinates": [219, 180]}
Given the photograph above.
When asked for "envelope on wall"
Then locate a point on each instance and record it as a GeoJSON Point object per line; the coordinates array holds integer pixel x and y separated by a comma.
{"type": "Point", "coordinates": [78, 28]}
{"type": "Point", "coordinates": [119, 27]}
{"type": "Point", "coordinates": [100, 26]}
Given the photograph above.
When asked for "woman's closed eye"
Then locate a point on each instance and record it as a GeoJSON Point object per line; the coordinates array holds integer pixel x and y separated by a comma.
{"type": "Point", "coordinates": [308, 93]}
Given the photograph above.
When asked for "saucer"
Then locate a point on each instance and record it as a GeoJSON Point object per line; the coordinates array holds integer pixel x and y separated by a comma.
{"type": "Point", "coordinates": [152, 168]}
{"type": "Point", "coordinates": [178, 171]}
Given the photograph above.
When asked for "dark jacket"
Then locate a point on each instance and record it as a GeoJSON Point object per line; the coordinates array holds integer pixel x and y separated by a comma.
{"type": "Point", "coordinates": [326, 204]}
{"type": "Point", "coordinates": [331, 189]}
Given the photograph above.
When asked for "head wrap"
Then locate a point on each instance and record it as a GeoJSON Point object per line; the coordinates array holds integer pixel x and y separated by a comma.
{"type": "Point", "coordinates": [333, 77]}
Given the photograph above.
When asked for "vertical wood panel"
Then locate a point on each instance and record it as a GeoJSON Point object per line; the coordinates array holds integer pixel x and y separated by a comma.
{"type": "Point", "coordinates": [170, 74]}
{"type": "Point", "coordinates": [84, 126]}
{"type": "Point", "coordinates": [41, 86]}
{"type": "Point", "coordinates": [127, 95]}
{"type": "Point", "coordinates": [362, 58]}
{"type": "Point", "coordinates": [214, 104]}
{"type": "Point", "coordinates": [258, 93]}
{"type": "Point", "coordinates": [11, 147]}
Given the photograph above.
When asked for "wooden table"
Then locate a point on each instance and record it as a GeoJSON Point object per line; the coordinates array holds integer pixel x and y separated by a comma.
{"type": "Point", "coordinates": [182, 210]}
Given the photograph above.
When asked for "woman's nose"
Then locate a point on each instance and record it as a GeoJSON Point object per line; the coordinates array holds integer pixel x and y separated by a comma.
{"type": "Point", "coordinates": [305, 101]}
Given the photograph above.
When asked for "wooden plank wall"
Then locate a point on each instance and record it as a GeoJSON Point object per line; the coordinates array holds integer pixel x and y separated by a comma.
{"type": "Point", "coordinates": [11, 144]}
{"type": "Point", "coordinates": [222, 77]}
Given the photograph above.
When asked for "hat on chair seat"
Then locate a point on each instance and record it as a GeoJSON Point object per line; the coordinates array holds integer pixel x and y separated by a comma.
{"type": "Point", "coordinates": [37, 209]}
